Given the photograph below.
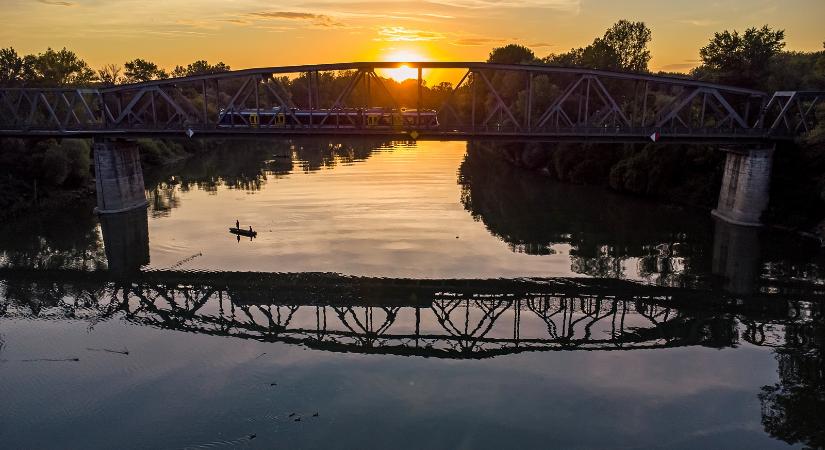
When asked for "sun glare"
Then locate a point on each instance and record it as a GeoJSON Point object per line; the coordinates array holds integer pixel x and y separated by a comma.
{"type": "Point", "coordinates": [404, 72]}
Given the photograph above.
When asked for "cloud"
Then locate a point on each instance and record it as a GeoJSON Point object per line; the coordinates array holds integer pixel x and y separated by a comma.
{"type": "Point", "coordinates": [681, 67]}
{"type": "Point", "coordinates": [438, 16]}
{"type": "Point", "coordinates": [401, 34]}
{"type": "Point", "coordinates": [55, 3]}
{"type": "Point", "coordinates": [322, 20]}
{"type": "Point", "coordinates": [571, 6]}
{"type": "Point", "coordinates": [698, 22]}
{"type": "Point", "coordinates": [540, 44]}
{"type": "Point", "coordinates": [235, 21]}
{"type": "Point", "coordinates": [473, 41]}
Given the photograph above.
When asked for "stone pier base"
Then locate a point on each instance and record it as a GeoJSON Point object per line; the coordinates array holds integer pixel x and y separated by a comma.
{"type": "Point", "coordinates": [736, 257]}
{"type": "Point", "coordinates": [119, 177]}
{"type": "Point", "coordinates": [745, 186]}
{"type": "Point", "coordinates": [126, 240]}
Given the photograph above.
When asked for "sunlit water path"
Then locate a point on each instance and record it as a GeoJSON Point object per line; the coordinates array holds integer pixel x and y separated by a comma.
{"type": "Point", "coordinates": [398, 213]}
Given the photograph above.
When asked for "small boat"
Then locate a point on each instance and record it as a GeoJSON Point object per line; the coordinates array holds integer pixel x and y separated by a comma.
{"type": "Point", "coordinates": [243, 232]}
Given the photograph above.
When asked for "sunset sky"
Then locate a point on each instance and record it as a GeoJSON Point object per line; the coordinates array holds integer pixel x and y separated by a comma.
{"type": "Point", "coordinates": [256, 33]}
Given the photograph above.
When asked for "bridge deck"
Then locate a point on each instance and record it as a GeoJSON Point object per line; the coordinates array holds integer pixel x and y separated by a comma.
{"type": "Point", "coordinates": [595, 136]}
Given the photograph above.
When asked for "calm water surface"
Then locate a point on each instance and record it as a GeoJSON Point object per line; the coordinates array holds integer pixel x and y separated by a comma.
{"type": "Point", "coordinates": [147, 330]}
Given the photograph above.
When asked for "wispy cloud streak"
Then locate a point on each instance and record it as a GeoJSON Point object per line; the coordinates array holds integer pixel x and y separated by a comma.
{"type": "Point", "coordinates": [322, 20]}
{"type": "Point", "coordinates": [56, 3]}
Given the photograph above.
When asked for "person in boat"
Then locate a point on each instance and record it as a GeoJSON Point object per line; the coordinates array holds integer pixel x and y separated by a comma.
{"type": "Point", "coordinates": [237, 224]}
{"type": "Point", "coordinates": [250, 229]}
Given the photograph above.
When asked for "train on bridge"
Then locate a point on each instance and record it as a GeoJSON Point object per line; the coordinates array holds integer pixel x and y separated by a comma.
{"type": "Point", "coordinates": [342, 118]}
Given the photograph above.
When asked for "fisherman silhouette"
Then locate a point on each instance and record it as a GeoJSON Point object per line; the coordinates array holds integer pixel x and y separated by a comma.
{"type": "Point", "coordinates": [237, 224]}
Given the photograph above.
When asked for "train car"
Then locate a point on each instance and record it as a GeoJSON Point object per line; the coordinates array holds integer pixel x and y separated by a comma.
{"type": "Point", "coordinates": [351, 118]}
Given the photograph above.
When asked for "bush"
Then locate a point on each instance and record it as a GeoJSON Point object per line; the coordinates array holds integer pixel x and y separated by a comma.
{"type": "Point", "coordinates": [154, 152]}
{"type": "Point", "coordinates": [55, 164]}
{"type": "Point", "coordinates": [79, 155]}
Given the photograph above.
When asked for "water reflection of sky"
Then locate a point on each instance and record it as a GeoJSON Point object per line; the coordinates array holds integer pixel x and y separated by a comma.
{"type": "Point", "coordinates": [425, 210]}
{"type": "Point", "coordinates": [433, 210]}
{"type": "Point", "coordinates": [396, 214]}
{"type": "Point", "coordinates": [177, 390]}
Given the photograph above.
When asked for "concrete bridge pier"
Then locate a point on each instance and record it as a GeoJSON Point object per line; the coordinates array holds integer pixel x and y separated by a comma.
{"type": "Point", "coordinates": [126, 240]}
{"type": "Point", "coordinates": [745, 186]}
{"type": "Point", "coordinates": [119, 176]}
{"type": "Point", "coordinates": [737, 257]}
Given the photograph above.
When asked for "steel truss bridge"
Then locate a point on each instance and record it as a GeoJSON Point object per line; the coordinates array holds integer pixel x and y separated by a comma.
{"type": "Point", "coordinates": [489, 101]}
{"type": "Point", "coordinates": [444, 319]}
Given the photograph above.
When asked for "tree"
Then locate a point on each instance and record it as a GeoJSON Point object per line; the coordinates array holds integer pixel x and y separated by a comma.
{"type": "Point", "coordinates": [61, 68]}
{"type": "Point", "coordinates": [794, 408]}
{"type": "Point", "coordinates": [78, 153]}
{"type": "Point", "coordinates": [11, 67]}
{"type": "Point", "coordinates": [598, 55]}
{"type": "Point", "coordinates": [629, 41]}
{"type": "Point", "coordinates": [54, 168]}
{"type": "Point", "coordinates": [139, 70]}
{"type": "Point", "coordinates": [110, 74]}
{"type": "Point", "coordinates": [201, 67]}
{"type": "Point", "coordinates": [820, 65]}
{"type": "Point", "coordinates": [623, 48]}
{"type": "Point", "coordinates": [512, 54]}
{"type": "Point", "coordinates": [740, 59]}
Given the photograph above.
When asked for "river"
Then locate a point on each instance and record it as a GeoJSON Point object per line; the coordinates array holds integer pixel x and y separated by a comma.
{"type": "Point", "coordinates": [402, 295]}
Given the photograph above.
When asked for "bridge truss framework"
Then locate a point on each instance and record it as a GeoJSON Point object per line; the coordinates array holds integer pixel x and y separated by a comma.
{"type": "Point", "coordinates": [489, 100]}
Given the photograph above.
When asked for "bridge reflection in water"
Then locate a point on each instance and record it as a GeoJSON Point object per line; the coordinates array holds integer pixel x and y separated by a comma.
{"type": "Point", "coordinates": [432, 318]}
{"type": "Point", "coordinates": [455, 319]}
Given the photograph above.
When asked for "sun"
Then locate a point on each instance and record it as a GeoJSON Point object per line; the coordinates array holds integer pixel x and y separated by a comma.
{"type": "Point", "coordinates": [404, 72]}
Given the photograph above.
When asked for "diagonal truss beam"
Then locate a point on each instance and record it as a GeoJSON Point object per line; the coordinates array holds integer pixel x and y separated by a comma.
{"type": "Point", "coordinates": [501, 103]}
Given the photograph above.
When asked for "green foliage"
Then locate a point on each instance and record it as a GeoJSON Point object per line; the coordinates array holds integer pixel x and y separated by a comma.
{"type": "Point", "coordinates": [794, 71]}
{"type": "Point", "coordinates": [598, 55]}
{"type": "Point", "coordinates": [792, 408]}
{"type": "Point", "coordinates": [50, 68]}
{"type": "Point", "coordinates": [154, 152]}
{"type": "Point", "coordinates": [139, 70]}
{"type": "Point", "coordinates": [512, 54]}
{"type": "Point", "coordinates": [629, 41]}
{"type": "Point", "coordinates": [109, 74]}
{"type": "Point", "coordinates": [679, 173]}
{"type": "Point", "coordinates": [55, 165]}
{"type": "Point", "coordinates": [61, 68]}
{"type": "Point", "coordinates": [79, 154]}
{"type": "Point", "coordinates": [676, 173]}
{"type": "Point", "coordinates": [740, 59]}
{"type": "Point", "coordinates": [200, 67]}
{"type": "Point", "coordinates": [11, 67]}
{"type": "Point", "coordinates": [623, 47]}
{"type": "Point", "coordinates": [63, 163]}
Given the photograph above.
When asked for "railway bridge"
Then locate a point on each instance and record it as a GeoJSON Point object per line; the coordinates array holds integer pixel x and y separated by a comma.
{"type": "Point", "coordinates": [489, 101]}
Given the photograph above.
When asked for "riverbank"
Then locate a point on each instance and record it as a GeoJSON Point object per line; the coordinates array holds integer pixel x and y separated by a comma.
{"type": "Point", "coordinates": [46, 173]}
{"type": "Point", "coordinates": [688, 175]}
